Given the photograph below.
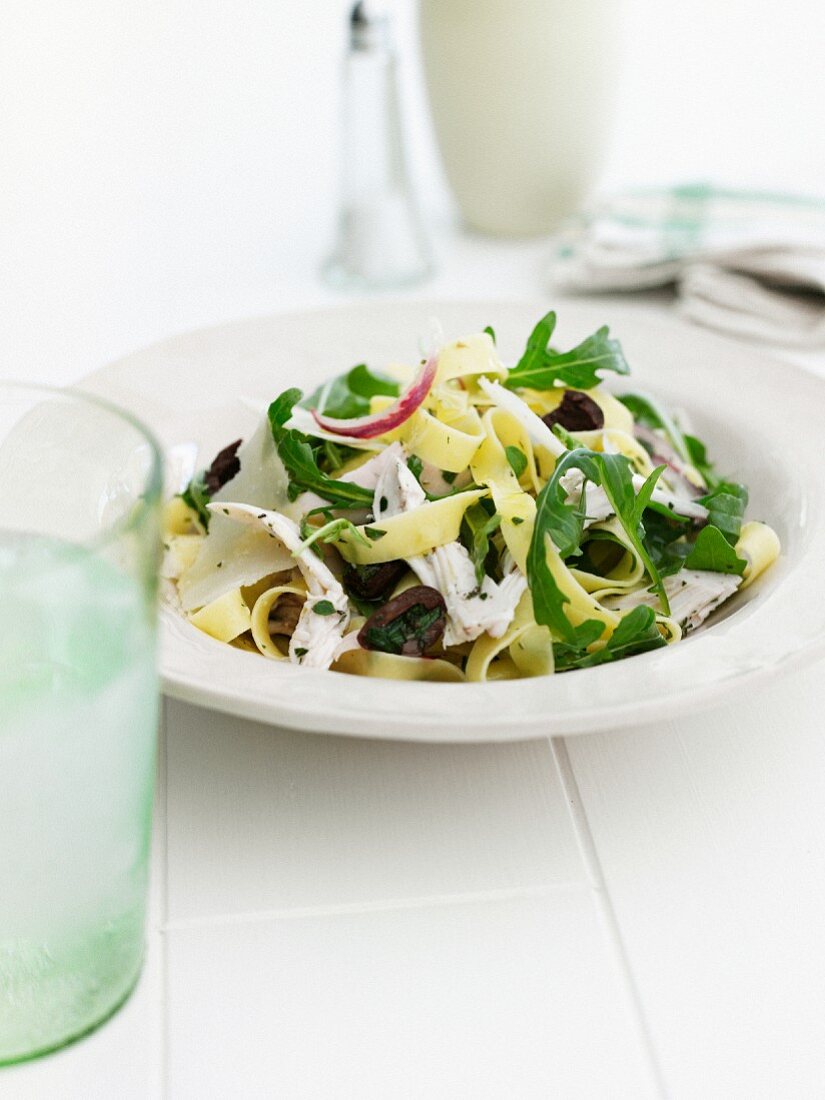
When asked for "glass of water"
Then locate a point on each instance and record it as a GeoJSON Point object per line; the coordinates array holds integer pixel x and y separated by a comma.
{"type": "Point", "coordinates": [80, 495]}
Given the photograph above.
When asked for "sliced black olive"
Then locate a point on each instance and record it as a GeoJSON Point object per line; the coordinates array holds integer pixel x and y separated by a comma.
{"type": "Point", "coordinates": [283, 618]}
{"type": "Point", "coordinates": [372, 582]}
{"type": "Point", "coordinates": [577, 412]}
{"type": "Point", "coordinates": [224, 466]}
{"type": "Point", "coordinates": [410, 624]}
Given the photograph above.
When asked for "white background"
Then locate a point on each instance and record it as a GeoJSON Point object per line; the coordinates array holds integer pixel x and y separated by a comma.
{"type": "Point", "coordinates": [635, 915]}
{"type": "Point", "coordinates": [170, 163]}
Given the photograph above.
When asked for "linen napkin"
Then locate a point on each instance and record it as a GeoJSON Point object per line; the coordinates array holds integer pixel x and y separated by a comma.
{"type": "Point", "coordinates": [748, 263]}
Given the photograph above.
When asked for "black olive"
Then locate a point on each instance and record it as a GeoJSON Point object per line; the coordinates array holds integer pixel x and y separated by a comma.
{"type": "Point", "coordinates": [577, 413]}
{"type": "Point", "coordinates": [283, 618]}
{"type": "Point", "coordinates": [372, 582]}
{"type": "Point", "coordinates": [410, 624]}
{"type": "Point", "coordinates": [224, 466]}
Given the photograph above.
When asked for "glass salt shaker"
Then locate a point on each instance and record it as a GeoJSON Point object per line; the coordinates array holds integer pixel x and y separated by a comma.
{"type": "Point", "coordinates": [381, 242]}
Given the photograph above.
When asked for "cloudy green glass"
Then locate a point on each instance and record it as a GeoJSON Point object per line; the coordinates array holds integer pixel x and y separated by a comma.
{"type": "Point", "coordinates": [80, 496]}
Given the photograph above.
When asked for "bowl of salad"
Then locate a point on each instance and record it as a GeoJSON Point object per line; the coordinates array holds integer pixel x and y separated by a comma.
{"type": "Point", "coordinates": [507, 531]}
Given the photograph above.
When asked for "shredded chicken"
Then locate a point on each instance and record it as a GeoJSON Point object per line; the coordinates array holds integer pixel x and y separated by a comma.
{"type": "Point", "coordinates": [367, 474]}
{"type": "Point", "coordinates": [472, 609]}
{"type": "Point", "coordinates": [599, 508]}
{"type": "Point", "coordinates": [316, 636]}
{"type": "Point", "coordinates": [692, 594]}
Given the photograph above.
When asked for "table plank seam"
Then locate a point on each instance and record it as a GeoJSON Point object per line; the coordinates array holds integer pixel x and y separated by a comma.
{"type": "Point", "coordinates": [604, 906]}
{"type": "Point", "coordinates": [425, 901]}
{"type": "Point", "coordinates": [163, 879]}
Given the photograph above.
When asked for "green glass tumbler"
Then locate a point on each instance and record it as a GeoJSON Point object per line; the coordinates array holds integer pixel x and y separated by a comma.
{"type": "Point", "coordinates": [80, 498]}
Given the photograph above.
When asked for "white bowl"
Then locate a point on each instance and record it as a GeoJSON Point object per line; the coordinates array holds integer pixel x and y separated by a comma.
{"type": "Point", "coordinates": [762, 420]}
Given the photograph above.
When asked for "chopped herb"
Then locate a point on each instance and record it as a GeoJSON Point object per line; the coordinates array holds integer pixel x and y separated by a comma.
{"type": "Point", "coordinates": [300, 651]}
{"type": "Point", "coordinates": [490, 332]}
{"type": "Point", "coordinates": [374, 533]}
{"type": "Point", "coordinates": [517, 459]}
{"type": "Point", "coordinates": [323, 607]}
{"type": "Point", "coordinates": [517, 521]}
{"type": "Point", "coordinates": [392, 638]}
{"type": "Point", "coordinates": [409, 624]}
{"type": "Point", "coordinates": [449, 476]}
{"type": "Point", "coordinates": [476, 528]}
{"type": "Point", "coordinates": [382, 504]}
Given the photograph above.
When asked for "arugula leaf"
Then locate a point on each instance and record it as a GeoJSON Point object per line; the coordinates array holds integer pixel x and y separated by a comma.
{"type": "Point", "coordinates": [564, 523]}
{"type": "Point", "coordinates": [726, 504]}
{"type": "Point", "coordinates": [566, 654]}
{"type": "Point", "coordinates": [636, 633]}
{"type": "Point", "coordinates": [349, 394]}
{"type": "Point", "coordinates": [203, 486]}
{"type": "Point", "coordinates": [698, 457]}
{"type": "Point", "coordinates": [554, 518]}
{"type": "Point", "coordinates": [629, 506]}
{"type": "Point", "coordinates": [329, 532]}
{"type": "Point", "coordinates": [477, 527]}
{"type": "Point", "coordinates": [541, 367]}
{"type": "Point", "coordinates": [367, 383]}
{"type": "Point", "coordinates": [298, 457]}
{"type": "Point", "coordinates": [646, 410]}
{"type": "Point", "coordinates": [332, 456]}
{"type": "Point", "coordinates": [713, 551]}
{"type": "Point", "coordinates": [517, 459]}
{"type": "Point", "coordinates": [665, 541]}
{"type": "Point", "coordinates": [416, 467]}
{"type": "Point", "coordinates": [309, 534]}
{"type": "Point", "coordinates": [196, 496]}
{"type": "Point", "coordinates": [649, 412]}
{"type": "Point", "coordinates": [601, 551]}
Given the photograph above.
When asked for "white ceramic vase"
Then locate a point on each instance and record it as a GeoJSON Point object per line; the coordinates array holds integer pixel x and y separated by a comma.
{"type": "Point", "coordinates": [520, 92]}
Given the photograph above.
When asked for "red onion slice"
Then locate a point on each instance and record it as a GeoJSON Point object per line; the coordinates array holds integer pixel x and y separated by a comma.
{"type": "Point", "coordinates": [662, 452]}
{"type": "Point", "coordinates": [368, 427]}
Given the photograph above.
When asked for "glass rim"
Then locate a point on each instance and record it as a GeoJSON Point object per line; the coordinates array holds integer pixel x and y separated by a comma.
{"type": "Point", "coordinates": [152, 490]}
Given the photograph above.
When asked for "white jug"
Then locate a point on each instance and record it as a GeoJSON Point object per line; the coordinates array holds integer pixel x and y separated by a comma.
{"type": "Point", "coordinates": [520, 93]}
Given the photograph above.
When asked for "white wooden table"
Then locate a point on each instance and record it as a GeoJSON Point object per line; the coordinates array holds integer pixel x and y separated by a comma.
{"type": "Point", "coordinates": [619, 915]}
